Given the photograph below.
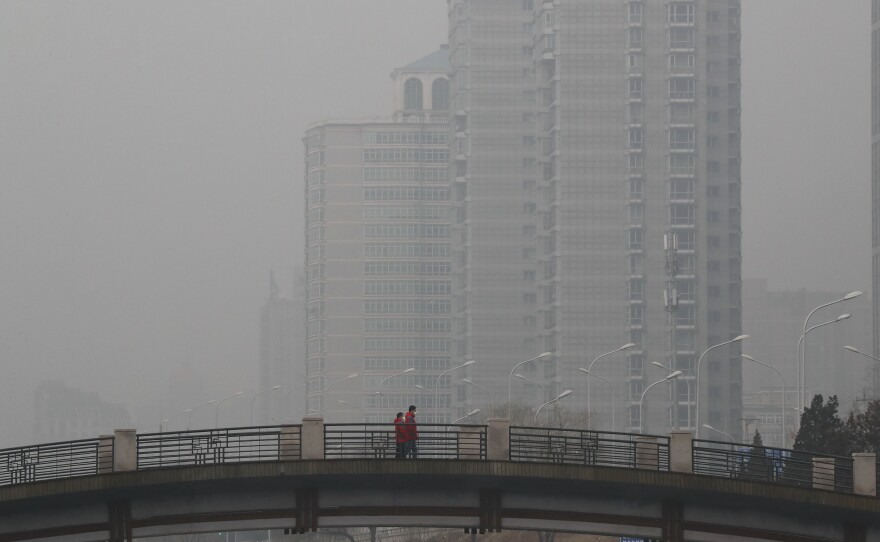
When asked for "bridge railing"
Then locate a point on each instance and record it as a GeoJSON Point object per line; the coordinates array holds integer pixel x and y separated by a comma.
{"type": "Point", "coordinates": [211, 446]}
{"type": "Point", "coordinates": [583, 447]}
{"type": "Point", "coordinates": [378, 441]}
{"type": "Point", "coordinates": [56, 460]}
{"type": "Point", "coordinates": [774, 465]}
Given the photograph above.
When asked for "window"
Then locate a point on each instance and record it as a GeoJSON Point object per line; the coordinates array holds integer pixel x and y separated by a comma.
{"type": "Point", "coordinates": [687, 290]}
{"type": "Point", "coordinates": [682, 164]}
{"type": "Point", "coordinates": [636, 213]}
{"type": "Point", "coordinates": [635, 264]}
{"type": "Point", "coordinates": [634, 63]}
{"type": "Point", "coordinates": [635, 315]}
{"type": "Point", "coordinates": [682, 215]}
{"type": "Point", "coordinates": [635, 189]}
{"type": "Point", "coordinates": [680, 189]}
{"type": "Point", "coordinates": [635, 113]}
{"type": "Point", "coordinates": [636, 290]}
{"type": "Point", "coordinates": [681, 88]}
{"type": "Point", "coordinates": [635, 88]}
{"type": "Point", "coordinates": [681, 13]}
{"type": "Point", "coordinates": [635, 163]}
{"type": "Point", "coordinates": [635, 239]}
{"type": "Point", "coordinates": [412, 94]}
{"type": "Point", "coordinates": [686, 239]}
{"type": "Point", "coordinates": [635, 390]}
{"type": "Point", "coordinates": [635, 13]}
{"type": "Point", "coordinates": [682, 139]}
{"type": "Point", "coordinates": [635, 38]}
{"type": "Point", "coordinates": [681, 38]}
{"type": "Point", "coordinates": [636, 365]}
{"type": "Point", "coordinates": [440, 94]}
{"type": "Point", "coordinates": [635, 138]}
{"type": "Point", "coordinates": [685, 315]}
{"type": "Point", "coordinates": [681, 62]}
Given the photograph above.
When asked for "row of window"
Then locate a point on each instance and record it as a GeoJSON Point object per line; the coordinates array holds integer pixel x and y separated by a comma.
{"type": "Point", "coordinates": [405, 174]}
{"type": "Point", "coordinates": [407, 325]}
{"type": "Point", "coordinates": [383, 212]}
{"type": "Point", "coordinates": [407, 287]}
{"type": "Point", "coordinates": [406, 250]}
{"type": "Point", "coordinates": [676, 13]}
{"type": "Point", "coordinates": [406, 306]}
{"type": "Point", "coordinates": [405, 344]}
{"type": "Point", "coordinates": [398, 363]}
{"type": "Point", "coordinates": [395, 155]}
{"type": "Point", "coordinates": [686, 315]}
{"type": "Point", "coordinates": [680, 88]}
{"type": "Point", "coordinates": [679, 138]}
{"type": "Point", "coordinates": [406, 231]}
{"type": "Point", "coordinates": [685, 289]}
{"type": "Point", "coordinates": [679, 163]}
{"type": "Point", "coordinates": [403, 193]}
{"type": "Point", "coordinates": [418, 269]}
{"type": "Point", "coordinates": [405, 138]}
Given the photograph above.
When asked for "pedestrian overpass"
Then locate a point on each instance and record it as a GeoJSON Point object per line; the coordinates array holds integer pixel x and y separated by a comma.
{"type": "Point", "coordinates": [480, 478]}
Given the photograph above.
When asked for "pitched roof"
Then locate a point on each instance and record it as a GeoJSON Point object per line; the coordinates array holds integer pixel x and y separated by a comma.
{"type": "Point", "coordinates": [438, 60]}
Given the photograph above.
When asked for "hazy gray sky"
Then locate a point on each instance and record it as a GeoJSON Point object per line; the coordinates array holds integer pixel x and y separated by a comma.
{"type": "Point", "coordinates": [150, 171]}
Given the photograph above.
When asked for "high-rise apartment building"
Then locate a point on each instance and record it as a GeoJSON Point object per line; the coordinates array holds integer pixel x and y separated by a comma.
{"type": "Point", "coordinates": [378, 270]}
{"type": "Point", "coordinates": [875, 163]}
{"type": "Point", "coordinates": [596, 188]}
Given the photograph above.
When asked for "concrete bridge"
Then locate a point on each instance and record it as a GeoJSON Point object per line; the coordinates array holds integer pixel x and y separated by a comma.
{"type": "Point", "coordinates": [482, 478]}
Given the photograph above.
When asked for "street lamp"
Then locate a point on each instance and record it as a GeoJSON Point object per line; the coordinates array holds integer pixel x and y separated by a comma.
{"type": "Point", "coordinates": [559, 397]}
{"type": "Point", "coordinates": [267, 390]}
{"type": "Point", "coordinates": [468, 415]}
{"type": "Point", "coordinates": [330, 385]}
{"type": "Point", "coordinates": [857, 351]}
{"type": "Point", "coordinates": [802, 349]}
{"type": "Point", "coordinates": [798, 360]}
{"type": "Point", "coordinates": [179, 414]}
{"type": "Point", "coordinates": [667, 378]}
{"type": "Point", "coordinates": [610, 387]}
{"type": "Point", "coordinates": [291, 390]}
{"type": "Point", "coordinates": [589, 371]}
{"type": "Point", "coordinates": [346, 403]}
{"type": "Point", "coordinates": [437, 383]}
{"type": "Point", "coordinates": [189, 418]}
{"type": "Point", "coordinates": [545, 355]}
{"type": "Point", "coordinates": [687, 385]}
{"type": "Point", "coordinates": [379, 391]}
{"type": "Point", "coordinates": [774, 369]}
{"type": "Point", "coordinates": [699, 362]}
{"type": "Point", "coordinates": [535, 382]}
{"type": "Point", "coordinates": [728, 435]}
{"type": "Point", "coordinates": [217, 407]}
{"type": "Point", "coordinates": [484, 388]}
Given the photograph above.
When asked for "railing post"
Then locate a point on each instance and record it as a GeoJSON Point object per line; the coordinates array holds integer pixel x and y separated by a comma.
{"type": "Point", "coordinates": [469, 442]}
{"type": "Point", "coordinates": [290, 447]}
{"type": "Point", "coordinates": [681, 452]}
{"type": "Point", "coordinates": [865, 474]}
{"type": "Point", "coordinates": [647, 453]}
{"type": "Point", "coordinates": [105, 454]}
{"type": "Point", "coordinates": [823, 473]}
{"type": "Point", "coordinates": [124, 450]}
{"type": "Point", "coordinates": [312, 437]}
{"type": "Point", "coordinates": [498, 439]}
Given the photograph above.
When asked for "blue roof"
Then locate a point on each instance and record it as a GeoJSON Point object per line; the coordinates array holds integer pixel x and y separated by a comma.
{"type": "Point", "coordinates": [438, 60]}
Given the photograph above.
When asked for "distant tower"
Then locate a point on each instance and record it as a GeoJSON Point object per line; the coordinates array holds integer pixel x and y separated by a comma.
{"type": "Point", "coordinates": [281, 333]}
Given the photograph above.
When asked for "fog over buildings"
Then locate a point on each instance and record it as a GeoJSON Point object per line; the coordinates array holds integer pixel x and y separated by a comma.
{"type": "Point", "coordinates": [151, 177]}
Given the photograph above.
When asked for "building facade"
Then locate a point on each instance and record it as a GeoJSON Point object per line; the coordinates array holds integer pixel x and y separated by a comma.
{"type": "Point", "coordinates": [596, 188]}
{"type": "Point", "coordinates": [875, 164]}
{"type": "Point", "coordinates": [378, 256]}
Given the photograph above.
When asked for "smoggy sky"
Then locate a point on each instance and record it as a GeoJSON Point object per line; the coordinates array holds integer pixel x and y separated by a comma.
{"type": "Point", "coordinates": [151, 165]}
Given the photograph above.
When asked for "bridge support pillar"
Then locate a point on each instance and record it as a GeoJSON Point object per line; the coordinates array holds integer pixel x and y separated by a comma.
{"type": "Point", "coordinates": [855, 533]}
{"type": "Point", "coordinates": [306, 510]}
{"type": "Point", "coordinates": [673, 522]}
{"type": "Point", "coordinates": [490, 511]}
{"type": "Point", "coordinates": [498, 439]}
{"type": "Point", "coordinates": [865, 474]}
{"type": "Point", "coordinates": [312, 438]}
{"type": "Point", "coordinates": [124, 450]}
{"type": "Point", "coordinates": [119, 514]}
{"type": "Point", "coordinates": [681, 452]}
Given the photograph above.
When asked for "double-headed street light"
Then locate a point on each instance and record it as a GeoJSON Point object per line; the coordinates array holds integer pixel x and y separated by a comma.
{"type": "Point", "coordinates": [545, 355]}
{"type": "Point", "coordinates": [610, 387]}
{"type": "Point", "coordinates": [559, 397]}
{"type": "Point", "coordinates": [589, 370]}
{"type": "Point", "coordinates": [802, 349]}
{"type": "Point", "coordinates": [774, 369]}
{"type": "Point", "coordinates": [667, 378]}
{"type": "Point", "coordinates": [700, 361]}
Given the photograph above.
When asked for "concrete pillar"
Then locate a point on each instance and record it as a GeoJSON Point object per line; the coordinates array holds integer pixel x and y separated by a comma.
{"type": "Point", "coordinates": [865, 474]}
{"type": "Point", "coordinates": [313, 437]}
{"type": "Point", "coordinates": [291, 442]}
{"type": "Point", "coordinates": [647, 453]}
{"type": "Point", "coordinates": [823, 473]}
{"type": "Point", "coordinates": [498, 439]}
{"type": "Point", "coordinates": [469, 442]}
{"type": "Point", "coordinates": [681, 452]}
{"type": "Point", "coordinates": [124, 450]}
{"type": "Point", "coordinates": [105, 454]}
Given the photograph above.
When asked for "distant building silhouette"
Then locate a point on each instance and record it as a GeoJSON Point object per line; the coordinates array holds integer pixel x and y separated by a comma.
{"type": "Point", "coordinates": [281, 356]}
{"type": "Point", "coordinates": [65, 413]}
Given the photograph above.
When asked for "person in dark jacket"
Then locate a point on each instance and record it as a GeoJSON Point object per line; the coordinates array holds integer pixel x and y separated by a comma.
{"type": "Point", "coordinates": [399, 435]}
{"type": "Point", "coordinates": [411, 450]}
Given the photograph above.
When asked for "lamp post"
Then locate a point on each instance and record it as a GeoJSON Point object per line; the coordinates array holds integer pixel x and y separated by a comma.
{"type": "Point", "coordinates": [346, 403]}
{"type": "Point", "coordinates": [559, 397]}
{"type": "Point", "coordinates": [687, 385]}
{"type": "Point", "coordinates": [379, 390]}
{"type": "Point", "coordinates": [802, 348]}
{"type": "Point", "coordinates": [484, 388]}
{"type": "Point", "coordinates": [189, 418]}
{"type": "Point", "coordinates": [798, 360]}
{"type": "Point", "coordinates": [699, 362]}
{"type": "Point", "coordinates": [169, 418]}
{"type": "Point", "coordinates": [261, 392]}
{"type": "Point", "coordinates": [330, 385]}
{"type": "Point", "coordinates": [294, 388]}
{"type": "Point", "coordinates": [545, 355]}
{"type": "Point", "coordinates": [728, 435]}
{"type": "Point", "coordinates": [437, 382]}
{"type": "Point", "coordinates": [774, 369]}
{"type": "Point", "coordinates": [668, 377]}
{"type": "Point", "coordinates": [217, 407]}
{"type": "Point", "coordinates": [610, 387]}
{"type": "Point", "coordinates": [589, 371]}
{"type": "Point", "coordinates": [534, 382]}
{"type": "Point", "coordinates": [468, 415]}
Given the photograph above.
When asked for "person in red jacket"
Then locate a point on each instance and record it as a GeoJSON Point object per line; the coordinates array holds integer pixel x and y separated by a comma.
{"type": "Point", "coordinates": [410, 449]}
{"type": "Point", "coordinates": [399, 435]}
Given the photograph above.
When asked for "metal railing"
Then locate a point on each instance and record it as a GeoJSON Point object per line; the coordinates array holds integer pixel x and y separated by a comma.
{"type": "Point", "coordinates": [594, 448]}
{"type": "Point", "coordinates": [774, 465]}
{"type": "Point", "coordinates": [378, 441]}
{"type": "Point", "coordinates": [212, 446]}
{"type": "Point", "coordinates": [55, 460]}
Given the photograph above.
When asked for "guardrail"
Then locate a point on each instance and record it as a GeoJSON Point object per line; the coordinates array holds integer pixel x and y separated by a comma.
{"type": "Point", "coordinates": [594, 448]}
{"type": "Point", "coordinates": [212, 446]}
{"type": "Point", "coordinates": [775, 465]}
{"type": "Point", "coordinates": [55, 460]}
{"type": "Point", "coordinates": [377, 440]}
